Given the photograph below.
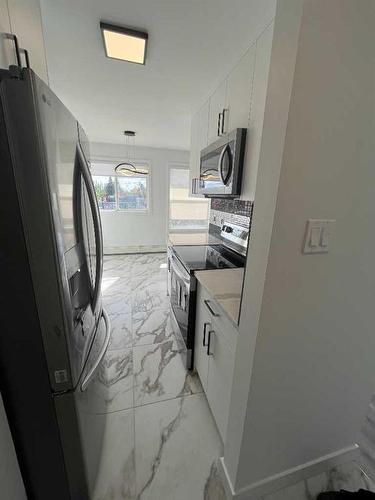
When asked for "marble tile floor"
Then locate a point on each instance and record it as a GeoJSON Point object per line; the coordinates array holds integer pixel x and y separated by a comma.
{"type": "Point", "coordinates": [160, 440]}
{"type": "Point", "coordinates": [347, 476]}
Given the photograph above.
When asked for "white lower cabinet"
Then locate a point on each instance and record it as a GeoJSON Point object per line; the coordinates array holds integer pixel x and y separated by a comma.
{"type": "Point", "coordinates": [215, 343]}
{"type": "Point", "coordinates": [202, 328]}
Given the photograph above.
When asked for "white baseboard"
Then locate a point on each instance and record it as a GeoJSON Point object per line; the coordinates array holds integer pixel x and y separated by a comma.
{"type": "Point", "coordinates": [257, 490]}
{"type": "Point", "coordinates": [228, 486]}
{"type": "Point", "coordinates": [134, 249]}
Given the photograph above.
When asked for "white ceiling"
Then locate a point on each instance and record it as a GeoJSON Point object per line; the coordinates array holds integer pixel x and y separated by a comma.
{"type": "Point", "coordinates": [192, 45]}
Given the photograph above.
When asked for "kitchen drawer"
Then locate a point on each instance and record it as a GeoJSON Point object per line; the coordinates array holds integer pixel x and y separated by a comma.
{"type": "Point", "coordinates": [219, 317]}
{"type": "Point", "coordinates": [220, 377]}
{"type": "Point", "coordinates": [203, 324]}
{"type": "Point", "coordinates": [215, 350]}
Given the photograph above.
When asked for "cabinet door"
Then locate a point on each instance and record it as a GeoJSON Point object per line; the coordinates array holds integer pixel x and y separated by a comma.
{"type": "Point", "coordinates": [199, 130]}
{"type": "Point", "coordinates": [239, 91]}
{"type": "Point", "coordinates": [25, 19]}
{"type": "Point", "coordinates": [220, 375]}
{"type": "Point", "coordinates": [7, 56]}
{"type": "Point", "coordinates": [254, 137]}
{"type": "Point", "coordinates": [202, 327]}
{"type": "Point", "coordinates": [217, 105]}
{"type": "Point", "coordinates": [194, 149]}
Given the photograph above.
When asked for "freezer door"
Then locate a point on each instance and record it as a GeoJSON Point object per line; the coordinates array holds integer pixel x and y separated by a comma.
{"type": "Point", "coordinates": [81, 424]}
{"type": "Point", "coordinates": [91, 417]}
{"type": "Point", "coordinates": [60, 220]}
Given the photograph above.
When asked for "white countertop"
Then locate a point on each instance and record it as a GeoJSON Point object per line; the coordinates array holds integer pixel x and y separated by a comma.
{"type": "Point", "coordinates": [225, 286]}
{"type": "Point", "coordinates": [192, 239]}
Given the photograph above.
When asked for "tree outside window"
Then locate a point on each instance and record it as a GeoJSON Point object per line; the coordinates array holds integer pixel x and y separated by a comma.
{"type": "Point", "coordinates": [122, 192]}
{"type": "Point", "coordinates": [132, 193]}
{"type": "Point", "coordinates": [105, 190]}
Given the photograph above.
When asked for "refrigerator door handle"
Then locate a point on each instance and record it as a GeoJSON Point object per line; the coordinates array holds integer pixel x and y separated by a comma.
{"type": "Point", "coordinates": [101, 355]}
{"type": "Point", "coordinates": [27, 58]}
{"type": "Point", "coordinates": [13, 37]}
{"type": "Point", "coordinates": [97, 225]}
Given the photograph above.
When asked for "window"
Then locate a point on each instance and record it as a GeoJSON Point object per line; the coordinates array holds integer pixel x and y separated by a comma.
{"type": "Point", "coordinates": [132, 193]}
{"type": "Point", "coordinates": [105, 188]}
{"type": "Point", "coordinates": [115, 192]}
{"type": "Point", "coordinates": [185, 213]}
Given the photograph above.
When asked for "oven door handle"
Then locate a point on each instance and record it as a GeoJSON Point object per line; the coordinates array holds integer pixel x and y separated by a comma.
{"type": "Point", "coordinates": [179, 272]}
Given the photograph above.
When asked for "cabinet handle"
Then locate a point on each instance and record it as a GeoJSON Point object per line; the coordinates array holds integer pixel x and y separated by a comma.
{"type": "Point", "coordinates": [204, 334]}
{"type": "Point", "coordinates": [207, 302]}
{"type": "Point", "coordinates": [219, 120]}
{"type": "Point", "coordinates": [223, 131]}
{"type": "Point", "coordinates": [209, 343]}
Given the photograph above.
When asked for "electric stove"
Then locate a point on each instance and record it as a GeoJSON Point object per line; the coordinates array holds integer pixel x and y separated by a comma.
{"type": "Point", "coordinates": [202, 257]}
{"type": "Point", "coordinates": [184, 260]}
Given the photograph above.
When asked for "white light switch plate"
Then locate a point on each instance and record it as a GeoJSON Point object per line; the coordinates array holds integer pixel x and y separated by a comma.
{"type": "Point", "coordinates": [317, 236]}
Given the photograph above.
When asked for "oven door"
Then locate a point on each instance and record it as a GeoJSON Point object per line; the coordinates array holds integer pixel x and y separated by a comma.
{"type": "Point", "coordinates": [180, 296]}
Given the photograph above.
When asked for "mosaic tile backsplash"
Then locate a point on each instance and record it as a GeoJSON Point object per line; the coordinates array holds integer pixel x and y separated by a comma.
{"type": "Point", "coordinates": [235, 211]}
{"type": "Point", "coordinates": [238, 207]}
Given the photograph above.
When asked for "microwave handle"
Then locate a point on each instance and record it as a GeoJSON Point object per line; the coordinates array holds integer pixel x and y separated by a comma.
{"type": "Point", "coordinates": [223, 122]}
{"type": "Point", "coordinates": [220, 164]}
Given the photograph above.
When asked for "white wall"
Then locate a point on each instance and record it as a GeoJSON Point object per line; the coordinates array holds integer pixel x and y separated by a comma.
{"type": "Point", "coordinates": [121, 229]}
{"type": "Point", "coordinates": [313, 370]}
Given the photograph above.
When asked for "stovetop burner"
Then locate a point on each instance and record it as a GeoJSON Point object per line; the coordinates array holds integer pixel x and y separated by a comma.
{"type": "Point", "coordinates": [202, 257]}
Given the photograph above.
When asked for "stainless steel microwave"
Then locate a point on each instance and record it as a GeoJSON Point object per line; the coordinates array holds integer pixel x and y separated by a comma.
{"type": "Point", "coordinates": [221, 166]}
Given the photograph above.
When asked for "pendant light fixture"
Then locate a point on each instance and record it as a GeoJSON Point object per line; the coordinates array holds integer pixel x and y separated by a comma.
{"type": "Point", "coordinates": [128, 168]}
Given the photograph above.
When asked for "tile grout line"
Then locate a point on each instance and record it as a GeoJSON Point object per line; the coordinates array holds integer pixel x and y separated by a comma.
{"type": "Point", "coordinates": [160, 401]}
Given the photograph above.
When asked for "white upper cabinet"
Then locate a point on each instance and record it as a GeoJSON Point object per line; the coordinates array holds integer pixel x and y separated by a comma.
{"type": "Point", "coordinates": [216, 122]}
{"type": "Point", "coordinates": [230, 103]}
{"type": "Point", "coordinates": [239, 92]}
{"type": "Point", "coordinates": [238, 102]}
{"type": "Point", "coordinates": [26, 24]}
{"type": "Point", "coordinates": [6, 51]}
{"type": "Point", "coordinates": [258, 103]}
{"type": "Point", "coordinates": [193, 158]}
{"type": "Point", "coordinates": [198, 141]}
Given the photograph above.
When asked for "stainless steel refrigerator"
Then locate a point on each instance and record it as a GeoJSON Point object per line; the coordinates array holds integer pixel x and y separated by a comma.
{"type": "Point", "coordinates": [54, 331]}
